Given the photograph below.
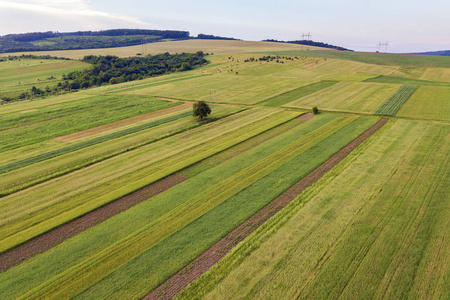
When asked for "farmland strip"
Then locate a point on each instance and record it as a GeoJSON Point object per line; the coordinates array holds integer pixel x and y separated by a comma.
{"type": "Point", "coordinates": [117, 124]}
{"type": "Point", "coordinates": [393, 104]}
{"type": "Point", "coordinates": [114, 135]}
{"type": "Point", "coordinates": [204, 262]}
{"type": "Point", "coordinates": [297, 93]}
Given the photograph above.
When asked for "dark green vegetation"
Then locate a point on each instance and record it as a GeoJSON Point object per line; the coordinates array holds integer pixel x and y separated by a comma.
{"type": "Point", "coordinates": [391, 107]}
{"type": "Point", "coordinates": [46, 41]}
{"type": "Point", "coordinates": [201, 110]}
{"type": "Point", "coordinates": [114, 70]}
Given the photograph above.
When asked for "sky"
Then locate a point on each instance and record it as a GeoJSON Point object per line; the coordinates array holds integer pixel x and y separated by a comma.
{"type": "Point", "coordinates": [406, 25]}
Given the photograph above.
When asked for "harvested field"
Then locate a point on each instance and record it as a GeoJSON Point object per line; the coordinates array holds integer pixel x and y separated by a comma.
{"type": "Point", "coordinates": [179, 281]}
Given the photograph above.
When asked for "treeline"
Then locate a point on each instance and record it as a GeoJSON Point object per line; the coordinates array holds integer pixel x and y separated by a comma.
{"type": "Point", "coordinates": [310, 43]}
{"type": "Point", "coordinates": [29, 56]}
{"type": "Point", "coordinates": [45, 41]}
{"type": "Point", "coordinates": [112, 70]}
{"type": "Point", "coordinates": [214, 37]}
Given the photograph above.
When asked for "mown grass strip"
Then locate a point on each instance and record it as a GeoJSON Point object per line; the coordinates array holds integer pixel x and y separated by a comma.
{"type": "Point", "coordinates": [297, 93]}
{"type": "Point", "coordinates": [99, 265]}
{"type": "Point", "coordinates": [78, 146]}
{"type": "Point", "coordinates": [393, 104]}
{"type": "Point", "coordinates": [402, 80]}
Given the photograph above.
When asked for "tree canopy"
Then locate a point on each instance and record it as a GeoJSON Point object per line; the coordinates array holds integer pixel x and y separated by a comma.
{"type": "Point", "coordinates": [201, 109]}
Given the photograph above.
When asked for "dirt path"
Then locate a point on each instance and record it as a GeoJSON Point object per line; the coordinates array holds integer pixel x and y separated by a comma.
{"type": "Point", "coordinates": [44, 242]}
{"type": "Point", "coordinates": [174, 285]}
{"type": "Point", "coordinates": [117, 124]}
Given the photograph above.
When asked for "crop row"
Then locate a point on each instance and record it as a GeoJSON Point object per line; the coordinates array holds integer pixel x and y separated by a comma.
{"type": "Point", "coordinates": [393, 104]}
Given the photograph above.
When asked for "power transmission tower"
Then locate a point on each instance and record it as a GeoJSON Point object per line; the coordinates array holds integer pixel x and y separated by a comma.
{"type": "Point", "coordinates": [144, 45]}
{"type": "Point", "coordinates": [309, 36]}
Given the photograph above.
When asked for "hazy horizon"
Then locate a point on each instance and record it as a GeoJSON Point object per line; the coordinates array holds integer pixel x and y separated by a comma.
{"type": "Point", "coordinates": [408, 26]}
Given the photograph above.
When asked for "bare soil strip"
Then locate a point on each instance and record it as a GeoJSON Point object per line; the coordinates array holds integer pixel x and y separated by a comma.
{"type": "Point", "coordinates": [117, 124]}
{"type": "Point", "coordinates": [174, 285]}
{"type": "Point", "coordinates": [306, 117]}
{"type": "Point", "coordinates": [52, 238]}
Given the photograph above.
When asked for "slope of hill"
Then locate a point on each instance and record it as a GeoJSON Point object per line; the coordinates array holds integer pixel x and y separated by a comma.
{"type": "Point", "coordinates": [441, 53]}
{"type": "Point", "coordinates": [46, 41]}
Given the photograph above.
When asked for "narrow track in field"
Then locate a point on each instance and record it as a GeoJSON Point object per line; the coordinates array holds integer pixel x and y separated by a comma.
{"type": "Point", "coordinates": [175, 284]}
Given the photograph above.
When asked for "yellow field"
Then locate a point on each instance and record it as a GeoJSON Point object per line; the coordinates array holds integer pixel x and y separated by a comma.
{"type": "Point", "coordinates": [428, 102]}
{"type": "Point", "coordinates": [437, 74]}
{"type": "Point", "coordinates": [354, 67]}
{"type": "Point", "coordinates": [348, 96]}
{"type": "Point", "coordinates": [209, 46]}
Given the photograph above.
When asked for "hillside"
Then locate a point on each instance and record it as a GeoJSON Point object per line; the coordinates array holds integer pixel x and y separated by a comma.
{"type": "Point", "coordinates": [118, 192]}
{"type": "Point", "coordinates": [440, 53]}
{"type": "Point", "coordinates": [48, 41]}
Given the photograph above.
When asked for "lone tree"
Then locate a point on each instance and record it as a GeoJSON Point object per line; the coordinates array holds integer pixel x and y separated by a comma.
{"type": "Point", "coordinates": [315, 110]}
{"type": "Point", "coordinates": [201, 109]}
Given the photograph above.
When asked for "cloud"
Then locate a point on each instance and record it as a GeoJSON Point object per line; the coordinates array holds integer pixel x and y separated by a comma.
{"type": "Point", "coordinates": [20, 16]}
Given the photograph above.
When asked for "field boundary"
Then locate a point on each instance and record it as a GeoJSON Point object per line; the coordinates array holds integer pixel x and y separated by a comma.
{"type": "Point", "coordinates": [175, 284]}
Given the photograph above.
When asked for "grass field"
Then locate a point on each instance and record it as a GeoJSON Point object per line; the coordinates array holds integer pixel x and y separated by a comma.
{"type": "Point", "coordinates": [17, 76]}
{"type": "Point", "coordinates": [436, 74]}
{"type": "Point", "coordinates": [428, 103]}
{"type": "Point", "coordinates": [348, 96]}
{"type": "Point", "coordinates": [115, 189]}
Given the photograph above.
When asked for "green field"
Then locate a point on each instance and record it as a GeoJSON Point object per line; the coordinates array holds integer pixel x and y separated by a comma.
{"type": "Point", "coordinates": [375, 226]}
{"type": "Point", "coordinates": [348, 96]}
{"type": "Point", "coordinates": [20, 75]}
